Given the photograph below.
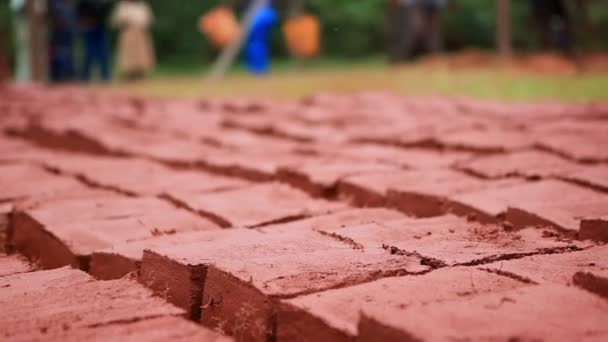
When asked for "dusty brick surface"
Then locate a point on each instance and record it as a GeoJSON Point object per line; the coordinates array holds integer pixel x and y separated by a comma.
{"type": "Point", "coordinates": [256, 205]}
{"type": "Point", "coordinates": [368, 216]}
{"type": "Point", "coordinates": [13, 264]}
{"type": "Point", "coordinates": [451, 241]}
{"type": "Point", "coordinates": [239, 293]}
{"type": "Point", "coordinates": [477, 318]}
{"type": "Point", "coordinates": [67, 232]}
{"type": "Point", "coordinates": [530, 164]}
{"type": "Point", "coordinates": [541, 204]}
{"type": "Point", "coordinates": [558, 268]}
{"type": "Point", "coordinates": [68, 304]}
{"type": "Point", "coordinates": [140, 177]}
{"type": "Point", "coordinates": [334, 314]}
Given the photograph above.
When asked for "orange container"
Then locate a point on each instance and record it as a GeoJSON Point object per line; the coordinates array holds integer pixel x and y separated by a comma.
{"type": "Point", "coordinates": [302, 35]}
{"type": "Point", "coordinates": [220, 26]}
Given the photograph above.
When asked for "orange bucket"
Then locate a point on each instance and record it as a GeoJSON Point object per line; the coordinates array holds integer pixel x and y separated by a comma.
{"type": "Point", "coordinates": [302, 35]}
{"type": "Point", "coordinates": [219, 26]}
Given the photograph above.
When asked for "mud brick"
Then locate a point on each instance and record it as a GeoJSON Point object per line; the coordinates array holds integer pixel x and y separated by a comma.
{"type": "Point", "coordinates": [320, 177]}
{"type": "Point", "coordinates": [13, 264]}
{"type": "Point", "coordinates": [450, 240]}
{"type": "Point", "coordinates": [124, 258]}
{"type": "Point", "coordinates": [556, 268]}
{"type": "Point", "coordinates": [595, 177]}
{"type": "Point", "coordinates": [334, 314]}
{"type": "Point", "coordinates": [247, 141]}
{"type": "Point", "coordinates": [139, 177]}
{"type": "Point", "coordinates": [255, 205]}
{"type": "Point", "coordinates": [22, 283]}
{"type": "Point", "coordinates": [414, 158]}
{"type": "Point", "coordinates": [488, 140]}
{"type": "Point", "coordinates": [67, 303]}
{"type": "Point", "coordinates": [178, 280]}
{"type": "Point", "coordinates": [252, 165]}
{"type": "Point", "coordinates": [576, 145]}
{"type": "Point", "coordinates": [28, 182]}
{"type": "Point", "coordinates": [166, 328]}
{"type": "Point", "coordinates": [352, 217]}
{"type": "Point", "coordinates": [529, 164]}
{"type": "Point", "coordinates": [594, 229]}
{"type": "Point", "coordinates": [242, 278]}
{"type": "Point", "coordinates": [421, 193]}
{"type": "Point", "coordinates": [67, 232]}
{"type": "Point", "coordinates": [547, 203]}
{"type": "Point", "coordinates": [595, 282]}
{"type": "Point", "coordinates": [547, 312]}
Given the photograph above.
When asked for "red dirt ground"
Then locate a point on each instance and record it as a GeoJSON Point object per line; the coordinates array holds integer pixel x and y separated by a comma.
{"type": "Point", "coordinates": [368, 216]}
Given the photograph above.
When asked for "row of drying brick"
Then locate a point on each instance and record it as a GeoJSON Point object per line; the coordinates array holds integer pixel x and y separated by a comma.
{"type": "Point", "coordinates": [426, 191]}
{"type": "Point", "coordinates": [77, 220]}
{"type": "Point", "coordinates": [387, 257]}
{"type": "Point", "coordinates": [69, 305]}
{"type": "Point", "coordinates": [235, 280]}
{"type": "Point", "coordinates": [309, 280]}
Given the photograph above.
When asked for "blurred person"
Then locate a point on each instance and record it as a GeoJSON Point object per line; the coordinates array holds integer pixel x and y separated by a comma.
{"type": "Point", "coordinates": [62, 30]}
{"type": "Point", "coordinates": [397, 29]}
{"type": "Point", "coordinates": [22, 43]}
{"type": "Point", "coordinates": [424, 34]}
{"type": "Point", "coordinates": [257, 55]}
{"type": "Point", "coordinates": [93, 16]}
{"type": "Point", "coordinates": [555, 21]}
{"type": "Point", "coordinates": [133, 18]}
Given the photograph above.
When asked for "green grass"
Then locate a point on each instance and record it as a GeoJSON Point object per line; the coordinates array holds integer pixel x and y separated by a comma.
{"type": "Point", "coordinates": [289, 82]}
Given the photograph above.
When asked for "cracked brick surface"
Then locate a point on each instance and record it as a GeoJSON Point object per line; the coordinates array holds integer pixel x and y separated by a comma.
{"type": "Point", "coordinates": [70, 305]}
{"type": "Point", "coordinates": [368, 216]}
{"type": "Point", "coordinates": [478, 317]}
{"type": "Point", "coordinates": [67, 232]}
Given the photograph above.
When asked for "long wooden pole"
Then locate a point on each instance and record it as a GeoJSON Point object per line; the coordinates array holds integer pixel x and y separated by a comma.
{"type": "Point", "coordinates": [229, 54]}
{"type": "Point", "coordinates": [36, 10]}
{"type": "Point", "coordinates": [503, 28]}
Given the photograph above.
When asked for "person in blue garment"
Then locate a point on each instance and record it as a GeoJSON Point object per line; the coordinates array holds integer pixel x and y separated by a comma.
{"type": "Point", "coordinates": [62, 24]}
{"type": "Point", "coordinates": [93, 15]}
{"type": "Point", "coordinates": [257, 55]}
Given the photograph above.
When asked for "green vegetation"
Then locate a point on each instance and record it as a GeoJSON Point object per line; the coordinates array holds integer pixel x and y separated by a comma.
{"type": "Point", "coordinates": [287, 82]}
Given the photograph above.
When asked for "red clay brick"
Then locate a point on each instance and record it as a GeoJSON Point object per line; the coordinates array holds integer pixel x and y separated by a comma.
{"type": "Point", "coordinates": [449, 240]}
{"type": "Point", "coordinates": [13, 264]}
{"type": "Point", "coordinates": [255, 205]}
{"type": "Point", "coordinates": [488, 140]}
{"type": "Point", "coordinates": [539, 204]}
{"type": "Point", "coordinates": [124, 258]}
{"type": "Point", "coordinates": [576, 145]}
{"type": "Point", "coordinates": [242, 278]}
{"type": "Point", "coordinates": [154, 330]}
{"type": "Point", "coordinates": [22, 182]}
{"type": "Point", "coordinates": [556, 268]}
{"type": "Point", "coordinates": [594, 282]}
{"type": "Point", "coordinates": [592, 176]}
{"type": "Point", "coordinates": [351, 217]}
{"type": "Point", "coordinates": [548, 312]}
{"type": "Point", "coordinates": [320, 177]}
{"type": "Point", "coordinates": [140, 177]}
{"type": "Point", "coordinates": [70, 303]}
{"type": "Point", "coordinates": [414, 158]}
{"type": "Point", "coordinates": [416, 192]}
{"type": "Point", "coordinates": [530, 164]}
{"type": "Point", "coordinates": [594, 229]}
{"type": "Point", "coordinates": [334, 314]}
{"type": "Point", "coordinates": [67, 232]}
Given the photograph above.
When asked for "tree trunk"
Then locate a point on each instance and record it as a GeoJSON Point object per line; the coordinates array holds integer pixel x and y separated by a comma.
{"type": "Point", "coordinates": [36, 13]}
{"type": "Point", "coordinates": [503, 28]}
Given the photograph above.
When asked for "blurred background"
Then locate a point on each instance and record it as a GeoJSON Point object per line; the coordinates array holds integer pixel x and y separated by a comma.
{"type": "Point", "coordinates": [503, 49]}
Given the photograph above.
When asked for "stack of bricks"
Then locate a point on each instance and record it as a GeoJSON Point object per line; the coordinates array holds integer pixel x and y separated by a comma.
{"type": "Point", "coordinates": [368, 216]}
